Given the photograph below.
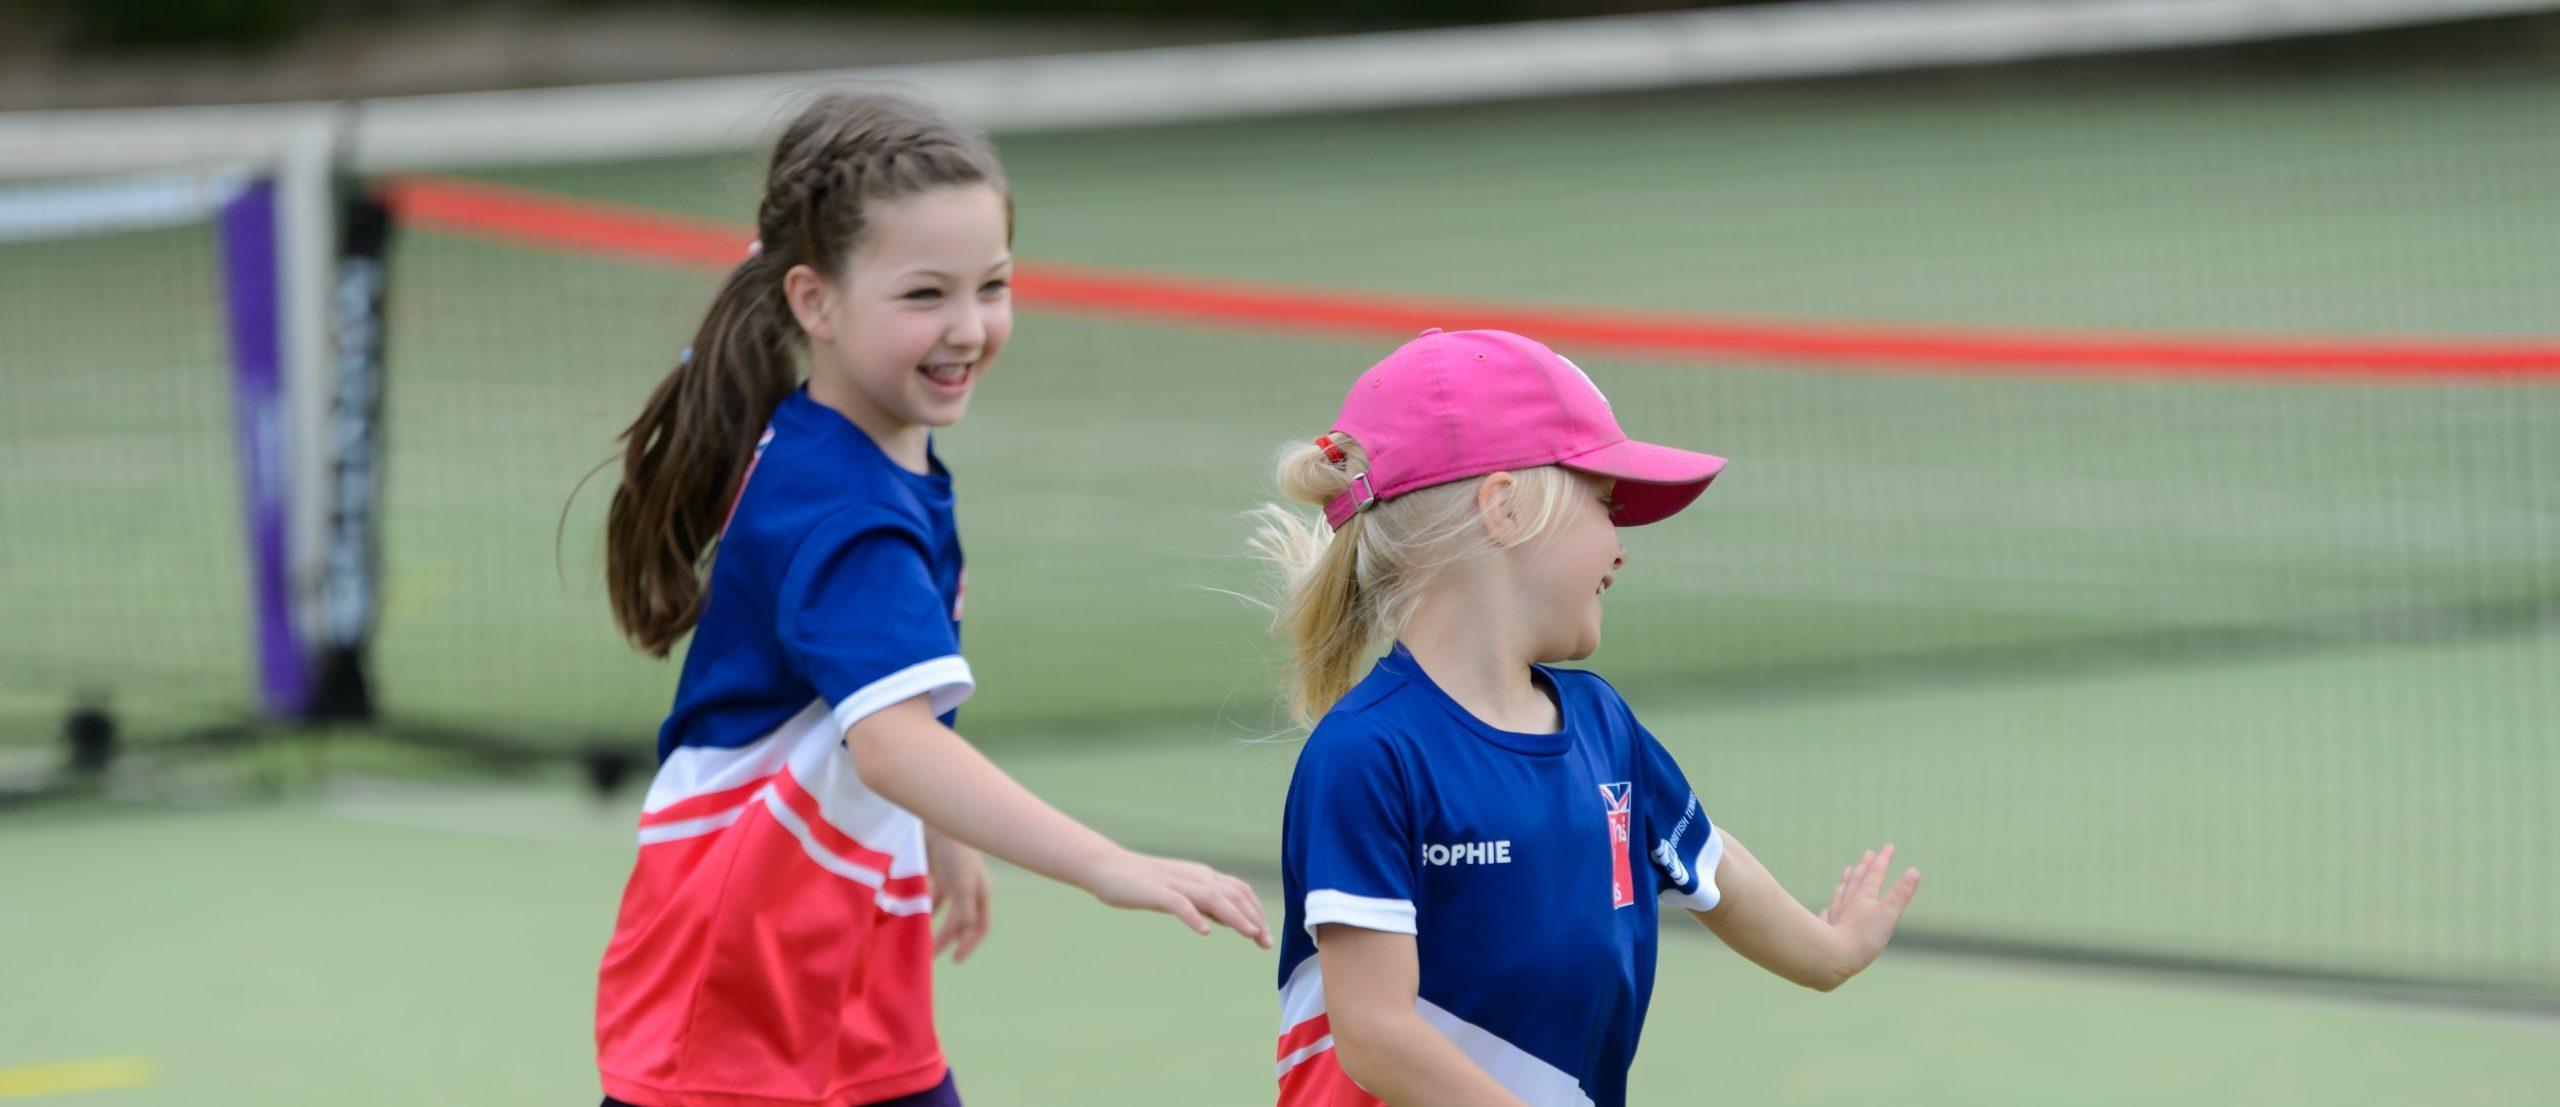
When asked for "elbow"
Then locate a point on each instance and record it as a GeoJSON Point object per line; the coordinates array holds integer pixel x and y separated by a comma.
{"type": "Point", "coordinates": [1356, 1064]}
{"type": "Point", "coordinates": [874, 761]}
{"type": "Point", "coordinates": [1358, 1048]}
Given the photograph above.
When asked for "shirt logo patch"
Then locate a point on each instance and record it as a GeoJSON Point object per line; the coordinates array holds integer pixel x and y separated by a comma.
{"type": "Point", "coordinates": [1666, 852]}
{"type": "Point", "coordinates": [1669, 859]}
{"type": "Point", "coordinates": [1620, 798]}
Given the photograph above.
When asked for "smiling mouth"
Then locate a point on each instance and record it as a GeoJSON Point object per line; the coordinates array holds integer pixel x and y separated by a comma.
{"type": "Point", "coordinates": [948, 373]}
{"type": "Point", "coordinates": [1605, 582]}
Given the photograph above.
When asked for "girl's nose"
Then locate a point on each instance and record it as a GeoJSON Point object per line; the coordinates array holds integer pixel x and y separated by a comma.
{"type": "Point", "coordinates": [968, 332]}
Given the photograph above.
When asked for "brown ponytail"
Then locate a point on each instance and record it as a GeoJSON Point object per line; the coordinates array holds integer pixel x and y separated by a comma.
{"type": "Point", "coordinates": [685, 454]}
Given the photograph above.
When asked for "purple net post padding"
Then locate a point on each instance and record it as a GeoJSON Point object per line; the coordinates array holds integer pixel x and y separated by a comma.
{"type": "Point", "coordinates": [251, 283]}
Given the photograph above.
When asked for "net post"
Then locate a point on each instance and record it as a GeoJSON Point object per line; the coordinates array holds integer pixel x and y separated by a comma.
{"type": "Point", "coordinates": [306, 226]}
{"type": "Point", "coordinates": [253, 289]}
{"type": "Point", "coordinates": [350, 588]}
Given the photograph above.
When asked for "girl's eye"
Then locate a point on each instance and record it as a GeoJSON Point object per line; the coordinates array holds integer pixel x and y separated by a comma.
{"type": "Point", "coordinates": [923, 295]}
{"type": "Point", "coordinates": [997, 285]}
{"type": "Point", "coordinates": [1611, 503]}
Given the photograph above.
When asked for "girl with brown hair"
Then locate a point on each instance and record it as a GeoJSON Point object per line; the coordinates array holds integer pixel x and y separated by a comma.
{"type": "Point", "coordinates": [813, 807]}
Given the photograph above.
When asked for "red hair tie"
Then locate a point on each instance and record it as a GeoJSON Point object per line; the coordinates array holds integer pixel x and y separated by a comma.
{"type": "Point", "coordinates": [1332, 452]}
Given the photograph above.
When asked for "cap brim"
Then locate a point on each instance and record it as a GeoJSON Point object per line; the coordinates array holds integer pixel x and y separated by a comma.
{"type": "Point", "coordinates": [1654, 482]}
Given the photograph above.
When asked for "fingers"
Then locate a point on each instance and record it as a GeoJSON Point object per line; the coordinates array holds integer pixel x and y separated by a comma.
{"type": "Point", "coordinates": [1232, 902]}
{"type": "Point", "coordinates": [1252, 904]}
{"type": "Point", "coordinates": [1178, 905]}
{"type": "Point", "coordinates": [1863, 881]}
{"type": "Point", "coordinates": [963, 907]}
{"type": "Point", "coordinates": [981, 916]}
{"type": "Point", "coordinates": [1900, 895]}
{"type": "Point", "coordinates": [1879, 863]}
{"type": "Point", "coordinates": [1202, 897]}
{"type": "Point", "coordinates": [945, 915]}
{"type": "Point", "coordinates": [957, 913]}
{"type": "Point", "coordinates": [1854, 878]}
{"type": "Point", "coordinates": [1227, 899]}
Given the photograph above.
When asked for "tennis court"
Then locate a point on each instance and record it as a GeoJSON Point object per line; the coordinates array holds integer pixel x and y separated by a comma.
{"type": "Point", "coordinates": [2244, 674]}
{"type": "Point", "coordinates": [408, 945]}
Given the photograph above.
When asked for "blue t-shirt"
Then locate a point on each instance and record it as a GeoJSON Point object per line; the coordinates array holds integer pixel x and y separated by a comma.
{"type": "Point", "coordinates": [838, 579]}
{"type": "Point", "coordinates": [1527, 867]}
{"type": "Point", "coordinates": [775, 942]}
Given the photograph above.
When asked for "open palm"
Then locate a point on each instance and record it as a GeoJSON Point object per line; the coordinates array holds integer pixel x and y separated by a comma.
{"type": "Point", "coordinates": [1863, 910]}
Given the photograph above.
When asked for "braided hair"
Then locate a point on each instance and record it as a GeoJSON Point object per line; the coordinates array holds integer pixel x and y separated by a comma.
{"type": "Point", "coordinates": [684, 457]}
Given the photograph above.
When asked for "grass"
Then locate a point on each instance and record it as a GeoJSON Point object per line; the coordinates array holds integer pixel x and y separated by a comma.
{"type": "Point", "coordinates": [411, 947]}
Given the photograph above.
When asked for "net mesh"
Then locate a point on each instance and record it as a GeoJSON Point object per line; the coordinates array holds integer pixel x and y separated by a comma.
{"type": "Point", "coordinates": [123, 576]}
{"type": "Point", "coordinates": [2244, 668]}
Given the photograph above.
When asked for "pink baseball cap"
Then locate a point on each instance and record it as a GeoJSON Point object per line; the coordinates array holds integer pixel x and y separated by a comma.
{"type": "Point", "coordinates": [1456, 404]}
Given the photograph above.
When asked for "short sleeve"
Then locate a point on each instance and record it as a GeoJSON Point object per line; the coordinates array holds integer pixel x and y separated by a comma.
{"type": "Point", "coordinates": [1348, 833]}
{"type": "Point", "coordinates": [1684, 845]}
{"type": "Point", "coordinates": [860, 620]}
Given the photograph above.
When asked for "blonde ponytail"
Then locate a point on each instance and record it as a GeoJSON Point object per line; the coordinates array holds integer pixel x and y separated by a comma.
{"type": "Point", "coordinates": [1319, 611]}
{"type": "Point", "coordinates": [1343, 593]}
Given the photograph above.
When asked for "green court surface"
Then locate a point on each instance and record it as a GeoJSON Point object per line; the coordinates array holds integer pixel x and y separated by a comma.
{"type": "Point", "coordinates": [2192, 669]}
{"type": "Point", "coordinates": [398, 944]}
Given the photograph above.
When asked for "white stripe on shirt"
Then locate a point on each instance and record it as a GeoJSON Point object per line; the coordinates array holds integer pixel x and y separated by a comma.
{"type": "Point", "coordinates": [1395, 916]}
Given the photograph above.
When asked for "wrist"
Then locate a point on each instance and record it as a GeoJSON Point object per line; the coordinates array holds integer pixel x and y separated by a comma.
{"type": "Point", "coordinates": [1840, 958]}
{"type": "Point", "coordinates": [1084, 863]}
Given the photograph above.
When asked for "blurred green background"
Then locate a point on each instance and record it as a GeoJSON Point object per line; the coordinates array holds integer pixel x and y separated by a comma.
{"type": "Point", "coordinates": [2239, 671]}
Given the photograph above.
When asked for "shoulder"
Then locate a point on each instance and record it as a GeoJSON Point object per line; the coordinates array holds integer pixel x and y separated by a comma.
{"type": "Point", "coordinates": [846, 524]}
{"type": "Point", "coordinates": [1383, 709]}
{"type": "Point", "coordinates": [1583, 684]}
{"type": "Point", "coordinates": [1350, 736]}
{"type": "Point", "coordinates": [1591, 697]}
{"type": "Point", "coordinates": [788, 511]}
{"type": "Point", "coordinates": [1363, 732]}
{"type": "Point", "coordinates": [1352, 764]}
{"type": "Point", "coordinates": [807, 472]}
{"type": "Point", "coordinates": [792, 488]}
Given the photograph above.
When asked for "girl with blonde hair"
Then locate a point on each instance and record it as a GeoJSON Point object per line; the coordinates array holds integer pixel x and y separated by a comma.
{"type": "Point", "coordinates": [1474, 838]}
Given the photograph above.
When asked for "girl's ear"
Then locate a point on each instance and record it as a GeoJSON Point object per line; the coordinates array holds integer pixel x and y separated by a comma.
{"type": "Point", "coordinates": [811, 298]}
{"type": "Point", "coordinates": [1495, 507]}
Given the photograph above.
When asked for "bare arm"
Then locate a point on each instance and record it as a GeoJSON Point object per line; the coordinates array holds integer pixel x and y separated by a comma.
{"type": "Point", "coordinates": [1762, 922]}
{"type": "Point", "coordinates": [1371, 979]}
{"type": "Point", "coordinates": [910, 758]}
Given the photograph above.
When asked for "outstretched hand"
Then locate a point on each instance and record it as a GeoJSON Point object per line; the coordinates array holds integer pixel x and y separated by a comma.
{"type": "Point", "coordinates": [1187, 890]}
{"type": "Point", "coordinates": [1863, 911]}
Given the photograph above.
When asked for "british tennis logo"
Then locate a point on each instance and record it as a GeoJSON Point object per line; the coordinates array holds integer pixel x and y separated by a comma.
{"type": "Point", "coordinates": [1666, 852]}
{"type": "Point", "coordinates": [1670, 862]}
{"type": "Point", "coordinates": [1620, 798]}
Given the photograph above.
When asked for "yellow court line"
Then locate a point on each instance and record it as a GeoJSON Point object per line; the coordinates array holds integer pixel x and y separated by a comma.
{"type": "Point", "coordinates": [97, 1074]}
